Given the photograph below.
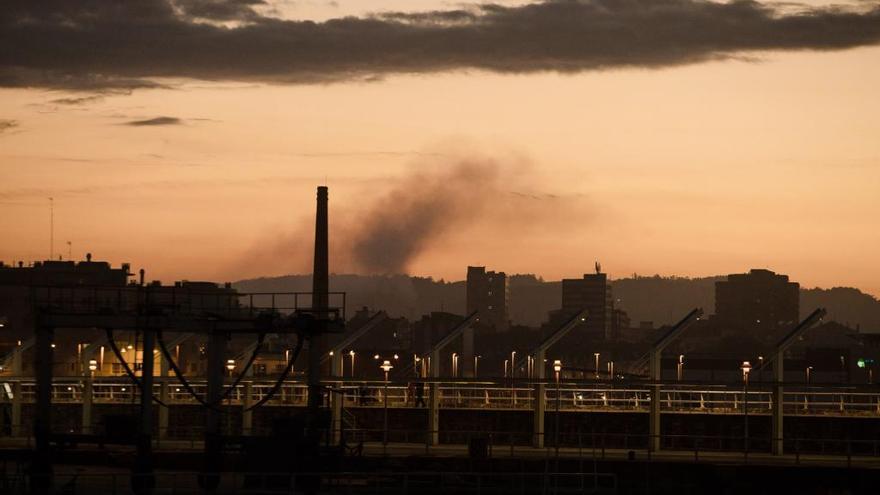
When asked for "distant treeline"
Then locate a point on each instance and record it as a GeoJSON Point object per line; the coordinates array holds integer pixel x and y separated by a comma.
{"type": "Point", "coordinates": [661, 300]}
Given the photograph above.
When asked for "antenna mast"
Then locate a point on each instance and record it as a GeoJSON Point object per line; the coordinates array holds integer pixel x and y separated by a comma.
{"type": "Point", "coordinates": [51, 228]}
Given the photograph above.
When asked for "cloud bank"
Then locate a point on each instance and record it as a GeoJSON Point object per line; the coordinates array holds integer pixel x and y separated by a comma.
{"type": "Point", "coordinates": [158, 121]}
{"type": "Point", "coordinates": [89, 44]}
{"type": "Point", "coordinates": [7, 125]}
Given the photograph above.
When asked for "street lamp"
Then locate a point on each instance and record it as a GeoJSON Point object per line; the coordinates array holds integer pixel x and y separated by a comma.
{"type": "Point", "coordinates": [386, 367]}
{"type": "Point", "coordinates": [512, 363]}
{"type": "Point", "coordinates": [454, 364]}
{"type": "Point", "coordinates": [557, 368]}
{"type": "Point", "coordinates": [809, 371]}
{"type": "Point", "coordinates": [760, 368]}
{"type": "Point", "coordinates": [352, 353]}
{"type": "Point", "coordinates": [746, 367]}
{"type": "Point", "coordinates": [230, 365]}
{"type": "Point", "coordinates": [476, 365]}
{"type": "Point", "coordinates": [596, 355]}
{"type": "Point", "coordinates": [680, 371]}
{"type": "Point", "coordinates": [93, 365]}
{"type": "Point", "coordinates": [505, 368]}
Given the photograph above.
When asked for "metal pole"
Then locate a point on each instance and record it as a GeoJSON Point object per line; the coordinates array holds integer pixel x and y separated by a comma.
{"type": "Point", "coordinates": [143, 480]}
{"type": "Point", "coordinates": [385, 396]}
{"type": "Point", "coordinates": [556, 425]}
{"type": "Point", "coordinates": [41, 481]}
{"type": "Point", "coordinates": [209, 479]}
{"type": "Point", "coordinates": [746, 413]}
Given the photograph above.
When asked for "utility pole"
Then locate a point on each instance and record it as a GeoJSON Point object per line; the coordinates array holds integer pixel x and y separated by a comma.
{"type": "Point", "coordinates": [51, 228]}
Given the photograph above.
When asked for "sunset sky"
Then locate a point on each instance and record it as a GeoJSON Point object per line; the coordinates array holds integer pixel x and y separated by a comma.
{"type": "Point", "coordinates": [676, 137]}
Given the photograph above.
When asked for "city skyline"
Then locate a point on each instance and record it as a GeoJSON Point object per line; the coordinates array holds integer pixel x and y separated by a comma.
{"type": "Point", "coordinates": [758, 154]}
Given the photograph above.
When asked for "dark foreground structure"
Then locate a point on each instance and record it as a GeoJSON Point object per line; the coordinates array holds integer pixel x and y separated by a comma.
{"type": "Point", "coordinates": [319, 432]}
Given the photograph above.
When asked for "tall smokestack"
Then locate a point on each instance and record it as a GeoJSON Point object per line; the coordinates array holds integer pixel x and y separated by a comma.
{"type": "Point", "coordinates": [320, 287]}
{"type": "Point", "coordinates": [321, 271]}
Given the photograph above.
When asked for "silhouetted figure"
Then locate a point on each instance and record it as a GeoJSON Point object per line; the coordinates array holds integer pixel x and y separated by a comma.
{"type": "Point", "coordinates": [420, 395]}
{"type": "Point", "coordinates": [362, 395]}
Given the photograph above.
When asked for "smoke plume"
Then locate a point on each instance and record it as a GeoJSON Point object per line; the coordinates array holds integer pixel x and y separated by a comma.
{"type": "Point", "coordinates": [400, 225]}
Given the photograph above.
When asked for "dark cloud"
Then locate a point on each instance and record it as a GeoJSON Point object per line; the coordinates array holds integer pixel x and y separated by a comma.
{"type": "Point", "coordinates": [7, 125]}
{"type": "Point", "coordinates": [155, 122]}
{"type": "Point", "coordinates": [219, 10]}
{"type": "Point", "coordinates": [77, 100]}
{"type": "Point", "coordinates": [87, 44]}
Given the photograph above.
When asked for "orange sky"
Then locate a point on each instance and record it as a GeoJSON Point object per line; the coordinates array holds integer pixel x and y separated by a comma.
{"type": "Point", "coordinates": [697, 170]}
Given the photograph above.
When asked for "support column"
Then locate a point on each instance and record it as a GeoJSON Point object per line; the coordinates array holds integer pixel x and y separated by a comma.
{"type": "Point", "coordinates": [17, 427]}
{"type": "Point", "coordinates": [247, 417]}
{"type": "Point", "coordinates": [434, 399]}
{"type": "Point", "coordinates": [209, 478]}
{"type": "Point", "coordinates": [337, 398]}
{"type": "Point", "coordinates": [143, 480]}
{"type": "Point", "coordinates": [540, 398]}
{"type": "Point", "coordinates": [165, 395]}
{"type": "Point", "coordinates": [540, 401]}
{"type": "Point", "coordinates": [654, 426]}
{"type": "Point", "coordinates": [41, 481]}
{"type": "Point", "coordinates": [654, 432]}
{"type": "Point", "coordinates": [164, 413]}
{"type": "Point", "coordinates": [778, 420]}
{"type": "Point", "coordinates": [87, 401]}
{"type": "Point", "coordinates": [434, 414]}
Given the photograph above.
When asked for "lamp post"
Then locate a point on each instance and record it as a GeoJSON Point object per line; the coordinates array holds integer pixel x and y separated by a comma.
{"type": "Point", "coordinates": [93, 365]}
{"type": "Point", "coordinates": [809, 372]}
{"type": "Point", "coordinates": [680, 371]}
{"type": "Point", "coordinates": [761, 369]}
{"type": "Point", "coordinates": [596, 355]}
{"type": "Point", "coordinates": [476, 365]}
{"type": "Point", "coordinates": [386, 367]}
{"type": "Point", "coordinates": [351, 354]}
{"type": "Point", "coordinates": [557, 368]}
{"type": "Point", "coordinates": [454, 364]}
{"type": "Point", "coordinates": [505, 368]}
{"type": "Point", "coordinates": [230, 365]}
{"type": "Point", "coordinates": [746, 367]}
{"type": "Point", "coordinates": [512, 364]}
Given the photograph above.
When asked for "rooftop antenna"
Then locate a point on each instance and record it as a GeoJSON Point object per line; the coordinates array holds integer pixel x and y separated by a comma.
{"type": "Point", "coordinates": [598, 267]}
{"type": "Point", "coordinates": [51, 228]}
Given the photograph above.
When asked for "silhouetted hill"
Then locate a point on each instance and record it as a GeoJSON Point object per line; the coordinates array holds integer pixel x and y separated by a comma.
{"type": "Point", "coordinates": [662, 300]}
{"type": "Point", "coordinates": [845, 305]}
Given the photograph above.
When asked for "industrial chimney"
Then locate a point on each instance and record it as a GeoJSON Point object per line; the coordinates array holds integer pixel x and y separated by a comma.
{"type": "Point", "coordinates": [321, 271]}
{"type": "Point", "coordinates": [320, 303]}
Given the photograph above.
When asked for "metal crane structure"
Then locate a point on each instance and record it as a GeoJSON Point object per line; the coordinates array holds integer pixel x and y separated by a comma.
{"type": "Point", "coordinates": [777, 360]}
{"type": "Point", "coordinates": [540, 352]}
{"type": "Point", "coordinates": [151, 310]}
{"type": "Point", "coordinates": [335, 355]}
{"type": "Point", "coordinates": [654, 370]}
{"type": "Point", "coordinates": [433, 369]}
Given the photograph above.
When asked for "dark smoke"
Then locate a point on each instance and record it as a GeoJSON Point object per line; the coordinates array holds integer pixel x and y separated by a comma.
{"type": "Point", "coordinates": [446, 199]}
{"type": "Point", "coordinates": [419, 210]}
